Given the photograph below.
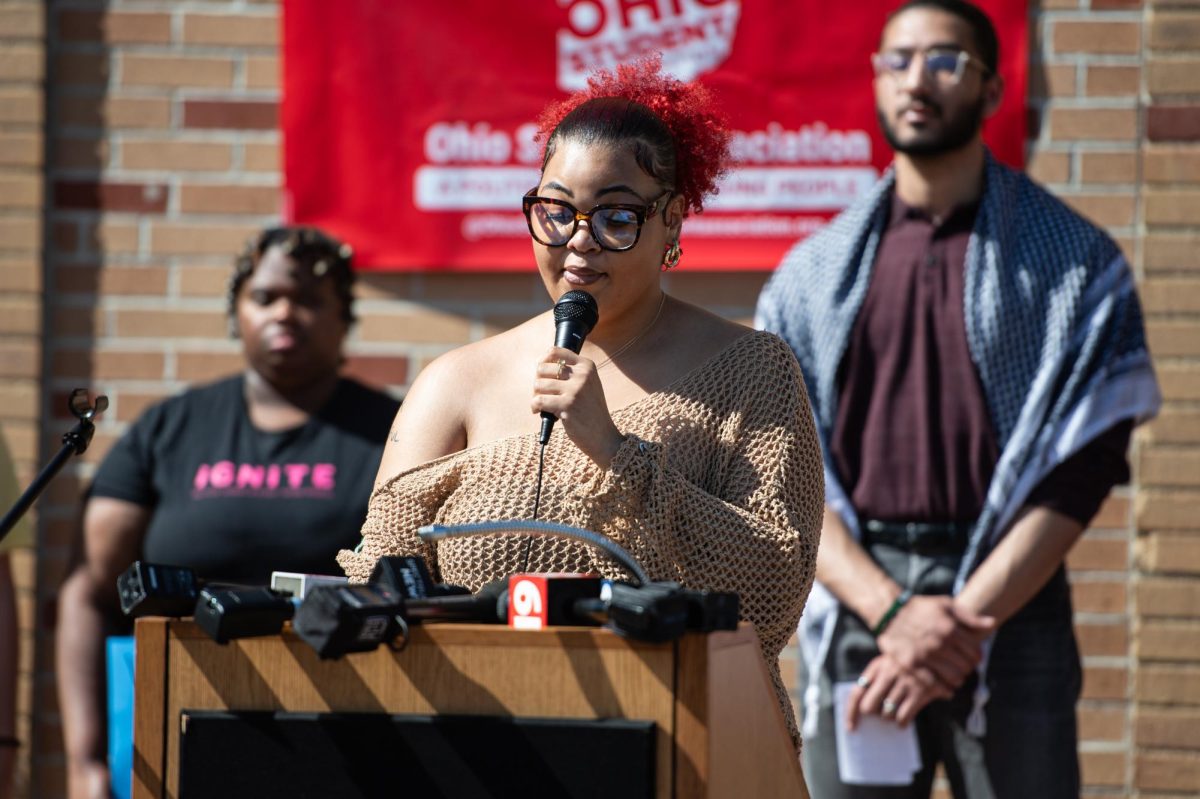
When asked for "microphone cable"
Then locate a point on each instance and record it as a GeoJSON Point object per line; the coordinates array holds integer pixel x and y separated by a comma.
{"type": "Point", "coordinates": [537, 501]}
{"type": "Point", "coordinates": [575, 314]}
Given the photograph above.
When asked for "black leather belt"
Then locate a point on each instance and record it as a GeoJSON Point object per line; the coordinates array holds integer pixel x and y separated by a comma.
{"type": "Point", "coordinates": [918, 536]}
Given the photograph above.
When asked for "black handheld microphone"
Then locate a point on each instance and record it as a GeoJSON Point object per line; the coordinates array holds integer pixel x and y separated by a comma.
{"type": "Point", "coordinates": [575, 314]}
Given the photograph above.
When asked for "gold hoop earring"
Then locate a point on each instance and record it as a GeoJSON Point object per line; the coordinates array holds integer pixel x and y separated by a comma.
{"type": "Point", "coordinates": [671, 256]}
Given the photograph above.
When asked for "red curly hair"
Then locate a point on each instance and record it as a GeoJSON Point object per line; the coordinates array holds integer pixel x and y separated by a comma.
{"type": "Point", "coordinates": [679, 139]}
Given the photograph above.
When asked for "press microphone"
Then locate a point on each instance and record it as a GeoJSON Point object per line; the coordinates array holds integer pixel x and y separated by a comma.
{"type": "Point", "coordinates": [535, 601]}
{"type": "Point", "coordinates": [230, 613]}
{"type": "Point", "coordinates": [156, 589]}
{"type": "Point", "coordinates": [338, 619]}
{"type": "Point", "coordinates": [489, 605]}
{"type": "Point", "coordinates": [425, 600]}
{"type": "Point", "coordinates": [575, 314]}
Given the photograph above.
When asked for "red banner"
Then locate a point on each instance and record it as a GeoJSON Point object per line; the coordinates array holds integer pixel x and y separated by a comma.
{"type": "Point", "coordinates": [408, 127]}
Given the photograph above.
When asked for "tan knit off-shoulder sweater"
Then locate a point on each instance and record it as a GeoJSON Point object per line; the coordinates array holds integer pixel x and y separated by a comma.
{"type": "Point", "coordinates": [718, 485]}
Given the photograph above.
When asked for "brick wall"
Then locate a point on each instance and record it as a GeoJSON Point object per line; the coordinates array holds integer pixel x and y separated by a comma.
{"type": "Point", "coordinates": [22, 60]}
{"type": "Point", "coordinates": [1166, 732]}
{"type": "Point", "coordinates": [1085, 69]}
{"type": "Point", "coordinates": [163, 158]}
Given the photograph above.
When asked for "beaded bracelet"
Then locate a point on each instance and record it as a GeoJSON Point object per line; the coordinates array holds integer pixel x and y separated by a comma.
{"type": "Point", "coordinates": [891, 612]}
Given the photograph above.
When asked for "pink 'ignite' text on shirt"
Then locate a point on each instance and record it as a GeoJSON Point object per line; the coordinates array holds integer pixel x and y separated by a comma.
{"type": "Point", "coordinates": [227, 476]}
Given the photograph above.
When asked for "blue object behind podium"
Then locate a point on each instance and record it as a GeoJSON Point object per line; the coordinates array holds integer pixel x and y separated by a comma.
{"type": "Point", "coordinates": [119, 657]}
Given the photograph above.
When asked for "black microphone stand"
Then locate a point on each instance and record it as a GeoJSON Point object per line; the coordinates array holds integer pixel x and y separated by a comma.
{"type": "Point", "coordinates": [75, 442]}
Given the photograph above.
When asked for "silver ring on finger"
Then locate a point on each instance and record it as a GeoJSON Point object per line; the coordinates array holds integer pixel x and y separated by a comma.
{"type": "Point", "coordinates": [863, 682]}
{"type": "Point", "coordinates": [889, 707]}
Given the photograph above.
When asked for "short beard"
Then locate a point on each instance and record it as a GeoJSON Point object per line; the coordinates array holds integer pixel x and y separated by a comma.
{"type": "Point", "coordinates": [959, 131]}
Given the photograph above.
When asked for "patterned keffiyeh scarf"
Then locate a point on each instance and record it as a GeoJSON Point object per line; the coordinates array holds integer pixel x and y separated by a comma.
{"type": "Point", "coordinates": [1054, 329]}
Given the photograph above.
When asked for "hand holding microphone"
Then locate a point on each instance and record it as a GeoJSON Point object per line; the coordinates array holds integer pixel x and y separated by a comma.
{"type": "Point", "coordinates": [575, 314]}
{"type": "Point", "coordinates": [567, 386]}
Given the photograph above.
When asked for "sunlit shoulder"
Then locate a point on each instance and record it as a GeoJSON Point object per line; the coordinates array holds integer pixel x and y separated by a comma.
{"type": "Point", "coordinates": [465, 394]}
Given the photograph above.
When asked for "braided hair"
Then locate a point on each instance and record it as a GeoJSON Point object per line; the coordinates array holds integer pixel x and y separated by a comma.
{"type": "Point", "coordinates": [678, 138]}
{"type": "Point", "coordinates": [312, 249]}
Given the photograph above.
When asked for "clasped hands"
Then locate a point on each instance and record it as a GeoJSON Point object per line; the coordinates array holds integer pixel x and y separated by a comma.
{"type": "Point", "coordinates": [926, 653]}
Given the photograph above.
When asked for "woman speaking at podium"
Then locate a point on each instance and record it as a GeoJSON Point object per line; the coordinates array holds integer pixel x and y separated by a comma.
{"type": "Point", "coordinates": [685, 438]}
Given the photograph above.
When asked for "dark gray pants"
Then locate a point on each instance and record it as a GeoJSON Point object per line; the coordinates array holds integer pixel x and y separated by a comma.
{"type": "Point", "coordinates": [1029, 750]}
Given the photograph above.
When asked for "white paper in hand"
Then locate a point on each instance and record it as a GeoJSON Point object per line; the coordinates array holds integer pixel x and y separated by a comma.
{"type": "Point", "coordinates": [878, 751]}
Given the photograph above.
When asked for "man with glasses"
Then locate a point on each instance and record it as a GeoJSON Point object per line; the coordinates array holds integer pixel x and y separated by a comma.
{"type": "Point", "coordinates": [976, 360]}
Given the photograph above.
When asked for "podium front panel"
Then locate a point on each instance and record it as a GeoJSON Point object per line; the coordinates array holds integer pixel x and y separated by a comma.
{"type": "Point", "coordinates": [367, 755]}
{"type": "Point", "coordinates": [475, 670]}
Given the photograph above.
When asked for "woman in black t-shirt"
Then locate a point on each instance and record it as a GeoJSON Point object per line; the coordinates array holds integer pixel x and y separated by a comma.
{"type": "Point", "coordinates": [267, 470]}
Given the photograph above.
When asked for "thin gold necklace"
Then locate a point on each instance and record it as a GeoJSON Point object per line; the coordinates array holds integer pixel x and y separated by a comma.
{"type": "Point", "coordinates": [636, 338]}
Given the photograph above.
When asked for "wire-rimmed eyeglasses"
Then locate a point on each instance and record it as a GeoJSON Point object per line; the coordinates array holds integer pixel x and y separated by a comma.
{"type": "Point", "coordinates": [942, 64]}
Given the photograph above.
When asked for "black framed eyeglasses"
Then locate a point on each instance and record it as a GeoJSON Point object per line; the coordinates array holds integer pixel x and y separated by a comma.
{"type": "Point", "coordinates": [943, 64]}
{"type": "Point", "coordinates": [617, 227]}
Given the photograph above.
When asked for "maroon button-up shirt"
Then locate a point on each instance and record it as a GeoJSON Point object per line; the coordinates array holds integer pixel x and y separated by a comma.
{"type": "Point", "coordinates": [913, 438]}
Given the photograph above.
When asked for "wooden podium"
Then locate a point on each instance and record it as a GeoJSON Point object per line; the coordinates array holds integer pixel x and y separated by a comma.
{"type": "Point", "coordinates": [717, 727]}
